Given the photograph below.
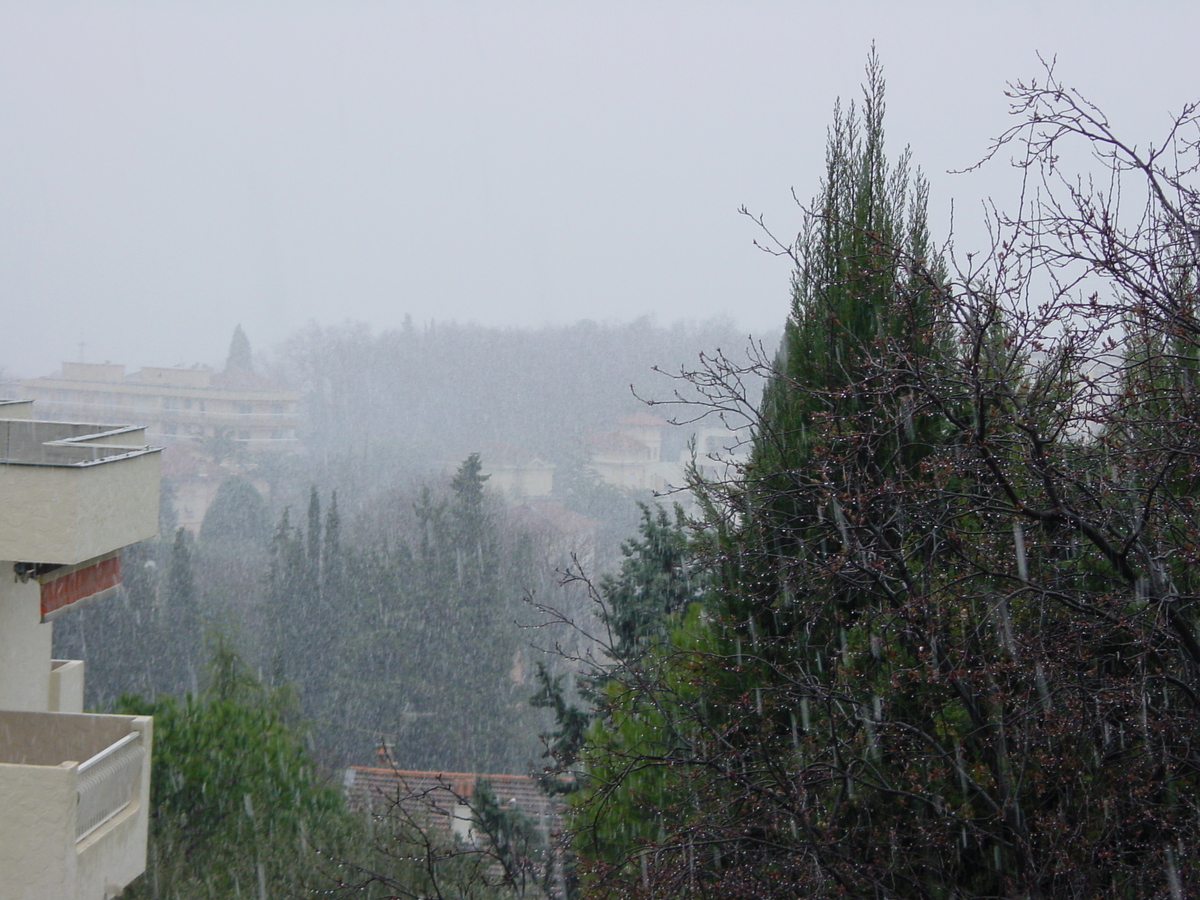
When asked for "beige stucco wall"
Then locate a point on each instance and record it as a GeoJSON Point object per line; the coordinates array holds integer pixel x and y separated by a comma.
{"type": "Point", "coordinates": [25, 645]}
{"type": "Point", "coordinates": [37, 832]}
{"type": "Point", "coordinates": [66, 686]}
{"type": "Point", "coordinates": [39, 855]}
{"type": "Point", "coordinates": [104, 372]}
{"type": "Point", "coordinates": [47, 739]}
{"type": "Point", "coordinates": [67, 514]}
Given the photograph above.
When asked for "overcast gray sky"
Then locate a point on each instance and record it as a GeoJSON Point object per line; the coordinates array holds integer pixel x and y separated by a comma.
{"type": "Point", "coordinates": [168, 170]}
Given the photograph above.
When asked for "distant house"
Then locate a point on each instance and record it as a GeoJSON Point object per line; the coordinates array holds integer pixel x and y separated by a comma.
{"type": "Point", "coordinates": [630, 455]}
{"type": "Point", "coordinates": [646, 429]}
{"type": "Point", "coordinates": [74, 787]}
{"type": "Point", "coordinates": [514, 471]}
{"type": "Point", "coordinates": [721, 451]}
{"type": "Point", "coordinates": [442, 799]}
{"type": "Point", "coordinates": [444, 803]}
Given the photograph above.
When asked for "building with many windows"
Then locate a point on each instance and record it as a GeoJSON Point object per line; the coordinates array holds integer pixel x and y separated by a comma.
{"type": "Point", "coordinates": [74, 787]}
{"type": "Point", "coordinates": [176, 404]}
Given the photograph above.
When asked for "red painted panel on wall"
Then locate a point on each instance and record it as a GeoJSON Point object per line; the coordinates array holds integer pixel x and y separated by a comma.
{"type": "Point", "coordinates": [79, 585]}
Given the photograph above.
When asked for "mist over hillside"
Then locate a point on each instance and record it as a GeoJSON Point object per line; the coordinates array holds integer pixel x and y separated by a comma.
{"type": "Point", "coordinates": [407, 400]}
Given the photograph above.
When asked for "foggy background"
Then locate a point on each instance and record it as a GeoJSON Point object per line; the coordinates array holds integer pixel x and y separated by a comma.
{"type": "Point", "coordinates": [170, 170]}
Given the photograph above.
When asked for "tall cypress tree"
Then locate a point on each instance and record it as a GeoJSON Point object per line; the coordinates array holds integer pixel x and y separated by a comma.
{"type": "Point", "coordinates": [803, 609]}
{"type": "Point", "coordinates": [761, 712]}
{"type": "Point", "coordinates": [865, 288]}
{"type": "Point", "coordinates": [314, 537]}
{"type": "Point", "coordinates": [184, 614]}
{"type": "Point", "coordinates": [840, 435]}
{"type": "Point", "coordinates": [331, 561]}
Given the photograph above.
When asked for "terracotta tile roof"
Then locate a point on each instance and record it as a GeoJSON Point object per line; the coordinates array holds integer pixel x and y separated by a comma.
{"type": "Point", "coordinates": [432, 796]}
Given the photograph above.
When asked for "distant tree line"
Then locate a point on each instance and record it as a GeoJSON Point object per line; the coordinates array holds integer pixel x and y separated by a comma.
{"type": "Point", "coordinates": [416, 396]}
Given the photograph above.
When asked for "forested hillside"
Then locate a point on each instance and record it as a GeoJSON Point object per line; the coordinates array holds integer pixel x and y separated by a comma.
{"type": "Point", "coordinates": [424, 394]}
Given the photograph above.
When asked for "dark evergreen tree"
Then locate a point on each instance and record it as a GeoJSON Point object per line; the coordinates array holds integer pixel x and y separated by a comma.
{"type": "Point", "coordinates": [471, 708]}
{"type": "Point", "coordinates": [237, 515]}
{"type": "Point", "coordinates": [239, 358]}
{"type": "Point", "coordinates": [658, 579]}
{"type": "Point", "coordinates": [753, 686]}
{"type": "Point", "coordinates": [232, 552]}
{"type": "Point", "coordinates": [432, 666]}
{"type": "Point", "coordinates": [866, 291]}
{"type": "Point", "coordinates": [314, 533]}
{"type": "Point", "coordinates": [332, 565]}
{"type": "Point", "coordinates": [288, 607]}
{"type": "Point", "coordinates": [180, 621]}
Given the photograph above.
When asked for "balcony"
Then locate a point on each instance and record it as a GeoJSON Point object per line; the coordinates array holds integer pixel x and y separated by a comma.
{"type": "Point", "coordinates": [74, 491]}
{"type": "Point", "coordinates": [75, 791]}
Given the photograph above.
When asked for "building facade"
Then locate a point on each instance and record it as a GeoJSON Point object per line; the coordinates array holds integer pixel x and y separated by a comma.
{"type": "Point", "coordinates": [176, 404]}
{"type": "Point", "coordinates": [74, 787]}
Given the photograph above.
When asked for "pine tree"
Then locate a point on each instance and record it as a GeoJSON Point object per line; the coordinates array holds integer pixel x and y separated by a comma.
{"type": "Point", "coordinates": [657, 581]}
{"type": "Point", "coordinates": [287, 605]}
{"type": "Point", "coordinates": [467, 711]}
{"type": "Point", "coordinates": [866, 291]}
{"type": "Point", "coordinates": [815, 629]}
{"type": "Point", "coordinates": [237, 516]}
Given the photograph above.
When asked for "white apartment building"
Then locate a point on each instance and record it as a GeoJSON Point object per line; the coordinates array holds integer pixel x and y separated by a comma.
{"type": "Point", "coordinates": [175, 404]}
{"type": "Point", "coordinates": [74, 787]}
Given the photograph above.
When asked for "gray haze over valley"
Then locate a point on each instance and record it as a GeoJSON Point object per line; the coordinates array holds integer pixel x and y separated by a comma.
{"type": "Point", "coordinates": [171, 169]}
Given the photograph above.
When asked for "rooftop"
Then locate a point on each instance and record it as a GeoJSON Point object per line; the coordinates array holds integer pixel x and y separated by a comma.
{"type": "Point", "coordinates": [73, 491]}
{"type": "Point", "coordinates": [25, 441]}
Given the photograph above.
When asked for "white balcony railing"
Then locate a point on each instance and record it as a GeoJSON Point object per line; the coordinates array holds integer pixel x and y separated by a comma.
{"type": "Point", "coordinates": [108, 782]}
